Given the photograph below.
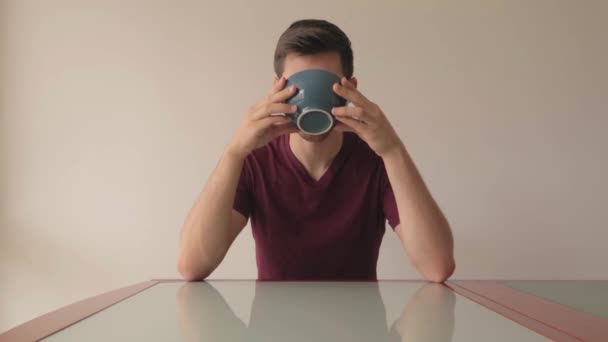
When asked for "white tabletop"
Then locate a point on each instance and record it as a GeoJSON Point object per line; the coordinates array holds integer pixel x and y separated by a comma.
{"type": "Point", "coordinates": [296, 311]}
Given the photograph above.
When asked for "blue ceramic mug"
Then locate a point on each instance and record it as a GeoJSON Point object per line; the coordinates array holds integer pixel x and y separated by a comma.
{"type": "Point", "coordinates": [315, 98]}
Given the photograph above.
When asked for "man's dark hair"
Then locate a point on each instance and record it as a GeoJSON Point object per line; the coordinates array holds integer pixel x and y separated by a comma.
{"type": "Point", "coordinates": [311, 36]}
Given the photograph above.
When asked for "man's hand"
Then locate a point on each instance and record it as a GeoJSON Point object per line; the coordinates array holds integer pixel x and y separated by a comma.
{"type": "Point", "coordinates": [260, 126]}
{"type": "Point", "coordinates": [364, 118]}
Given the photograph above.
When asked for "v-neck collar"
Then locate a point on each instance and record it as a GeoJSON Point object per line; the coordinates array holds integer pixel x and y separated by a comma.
{"type": "Point", "coordinates": [331, 171]}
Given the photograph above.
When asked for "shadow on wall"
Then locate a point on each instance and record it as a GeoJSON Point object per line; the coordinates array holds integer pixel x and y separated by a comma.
{"type": "Point", "coordinates": [27, 244]}
{"type": "Point", "coordinates": [42, 271]}
{"type": "Point", "coordinates": [34, 257]}
{"type": "Point", "coordinates": [3, 162]}
{"type": "Point", "coordinates": [3, 119]}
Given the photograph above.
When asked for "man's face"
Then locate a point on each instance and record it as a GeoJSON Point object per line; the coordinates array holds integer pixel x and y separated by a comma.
{"type": "Point", "coordinates": [329, 61]}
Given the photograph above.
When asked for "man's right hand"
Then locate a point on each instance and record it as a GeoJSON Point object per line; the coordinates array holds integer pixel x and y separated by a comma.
{"type": "Point", "coordinates": [260, 126]}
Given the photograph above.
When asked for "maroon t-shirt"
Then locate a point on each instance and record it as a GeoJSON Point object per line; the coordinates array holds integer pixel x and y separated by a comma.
{"type": "Point", "coordinates": [308, 229]}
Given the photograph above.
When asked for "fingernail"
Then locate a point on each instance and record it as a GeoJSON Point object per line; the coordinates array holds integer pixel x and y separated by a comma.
{"type": "Point", "coordinates": [294, 108]}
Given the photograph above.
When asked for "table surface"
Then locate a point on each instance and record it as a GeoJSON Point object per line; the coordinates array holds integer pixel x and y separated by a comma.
{"type": "Point", "coordinates": [226, 310]}
{"type": "Point", "coordinates": [587, 296]}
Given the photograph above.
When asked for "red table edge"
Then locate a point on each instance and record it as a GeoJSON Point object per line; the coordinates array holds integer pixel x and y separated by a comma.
{"type": "Point", "coordinates": [54, 321]}
{"type": "Point", "coordinates": [532, 311]}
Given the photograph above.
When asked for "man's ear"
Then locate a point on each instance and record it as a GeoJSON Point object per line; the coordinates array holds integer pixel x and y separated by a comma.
{"type": "Point", "coordinates": [354, 81]}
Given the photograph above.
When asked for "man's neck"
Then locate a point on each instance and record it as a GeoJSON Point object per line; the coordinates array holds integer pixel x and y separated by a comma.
{"type": "Point", "coordinates": [316, 157]}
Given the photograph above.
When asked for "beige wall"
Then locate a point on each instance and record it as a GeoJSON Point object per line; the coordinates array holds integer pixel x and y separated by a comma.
{"type": "Point", "coordinates": [113, 114]}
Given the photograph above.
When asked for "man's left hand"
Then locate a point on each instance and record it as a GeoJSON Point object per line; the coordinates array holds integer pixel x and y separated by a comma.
{"type": "Point", "coordinates": [365, 118]}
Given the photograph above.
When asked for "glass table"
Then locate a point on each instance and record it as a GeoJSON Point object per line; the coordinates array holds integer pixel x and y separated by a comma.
{"type": "Point", "coordinates": [577, 308]}
{"type": "Point", "coordinates": [242, 310]}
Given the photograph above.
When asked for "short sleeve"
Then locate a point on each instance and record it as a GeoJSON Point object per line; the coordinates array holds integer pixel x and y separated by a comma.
{"type": "Point", "coordinates": [389, 205]}
{"type": "Point", "coordinates": [242, 199]}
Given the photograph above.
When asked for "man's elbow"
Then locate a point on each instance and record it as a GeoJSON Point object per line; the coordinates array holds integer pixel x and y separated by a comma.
{"type": "Point", "coordinates": [440, 272]}
{"type": "Point", "coordinates": [189, 272]}
{"type": "Point", "coordinates": [191, 276]}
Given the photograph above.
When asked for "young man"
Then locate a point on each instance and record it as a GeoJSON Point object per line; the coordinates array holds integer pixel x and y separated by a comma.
{"type": "Point", "coordinates": [318, 204]}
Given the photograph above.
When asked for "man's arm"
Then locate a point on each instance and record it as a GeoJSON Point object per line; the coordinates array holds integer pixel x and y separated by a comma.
{"type": "Point", "coordinates": [212, 224]}
{"type": "Point", "coordinates": [423, 229]}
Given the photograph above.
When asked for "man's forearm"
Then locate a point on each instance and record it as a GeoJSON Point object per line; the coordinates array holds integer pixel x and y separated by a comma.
{"type": "Point", "coordinates": [423, 228]}
{"type": "Point", "coordinates": [206, 234]}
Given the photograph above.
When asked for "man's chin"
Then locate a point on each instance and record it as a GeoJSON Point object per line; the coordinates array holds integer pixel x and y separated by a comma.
{"type": "Point", "coordinates": [314, 138]}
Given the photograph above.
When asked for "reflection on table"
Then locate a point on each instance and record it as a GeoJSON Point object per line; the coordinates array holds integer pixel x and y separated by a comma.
{"type": "Point", "coordinates": [315, 312]}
